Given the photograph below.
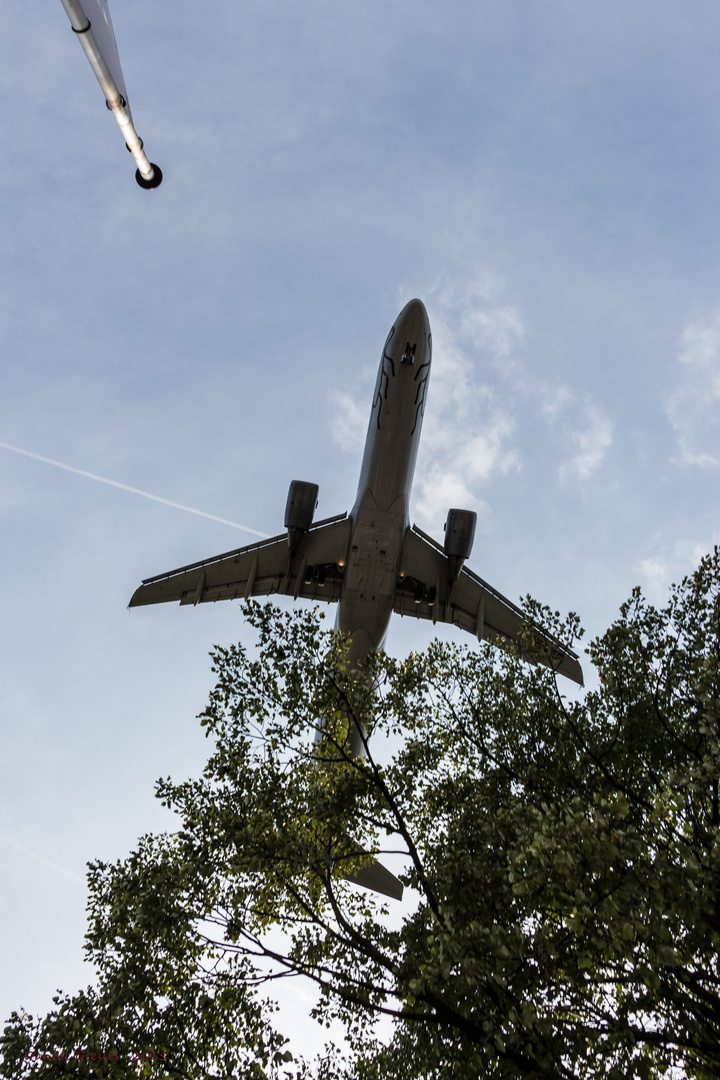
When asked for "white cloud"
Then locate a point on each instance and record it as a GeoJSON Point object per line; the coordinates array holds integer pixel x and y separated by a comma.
{"type": "Point", "coordinates": [349, 420]}
{"type": "Point", "coordinates": [437, 489]}
{"type": "Point", "coordinates": [555, 402]}
{"type": "Point", "coordinates": [487, 451]}
{"type": "Point", "coordinates": [468, 436]}
{"type": "Point", "coordinates": [592, 442]}
{"type": "Point", "coordinates": [693, 408]}
{"type": "Point", "coordinates": [497, 330]}
{"type": "Point", "coordinates": [669, 563]}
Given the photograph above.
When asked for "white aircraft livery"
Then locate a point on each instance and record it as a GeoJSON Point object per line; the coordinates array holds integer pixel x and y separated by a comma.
{"type": "Point", "coordinates": [370, 562]}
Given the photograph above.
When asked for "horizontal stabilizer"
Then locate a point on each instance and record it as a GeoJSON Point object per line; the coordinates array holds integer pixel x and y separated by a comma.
{"type": "Point", "coordinates": [374, 876]}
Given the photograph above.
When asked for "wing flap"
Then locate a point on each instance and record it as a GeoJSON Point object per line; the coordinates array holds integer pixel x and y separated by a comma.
{"type": "Point", "coordinates": [259, 570]}
{"type": "Point", "coordinates": [470, 603]}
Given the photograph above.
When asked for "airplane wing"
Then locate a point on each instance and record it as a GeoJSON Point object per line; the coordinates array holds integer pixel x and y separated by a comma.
{"type": "Point", "coordinates": [472, 604]}
{"type": "Point", "coordinates": [259, 570]}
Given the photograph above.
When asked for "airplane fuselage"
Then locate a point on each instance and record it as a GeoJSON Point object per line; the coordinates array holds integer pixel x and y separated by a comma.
{"type": "Point", "coordinates": [380, 516]}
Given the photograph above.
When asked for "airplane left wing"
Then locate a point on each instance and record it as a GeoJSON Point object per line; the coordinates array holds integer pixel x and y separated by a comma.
{"type": "Point", "coordinates": [470, 603]}
{"type": "Point", "coordinates": [314, 573]}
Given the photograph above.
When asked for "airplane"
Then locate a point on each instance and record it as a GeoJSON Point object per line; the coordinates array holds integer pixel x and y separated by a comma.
{"type": "Point", "coordinates": [370, 562]}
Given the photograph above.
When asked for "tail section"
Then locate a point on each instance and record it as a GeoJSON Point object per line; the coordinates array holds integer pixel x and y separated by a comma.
{"type": "Point", "coordinates": [370, 874]}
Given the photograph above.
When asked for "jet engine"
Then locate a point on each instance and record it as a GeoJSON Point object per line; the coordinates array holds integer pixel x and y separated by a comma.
{"type": "Point", "coordinates": [299, 509]}
{"type": "Point", "coordinates": [459, 536]}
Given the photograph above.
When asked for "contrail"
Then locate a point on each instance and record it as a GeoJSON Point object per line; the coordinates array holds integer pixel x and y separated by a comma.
{"type": "Point", "coordinates": [132, 490]}
{"type": "Point", "coordinates": [39, 858]}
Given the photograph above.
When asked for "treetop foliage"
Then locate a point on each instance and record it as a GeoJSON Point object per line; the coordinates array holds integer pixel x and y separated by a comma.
{"type": "Point", "coordinates": [561, 860]}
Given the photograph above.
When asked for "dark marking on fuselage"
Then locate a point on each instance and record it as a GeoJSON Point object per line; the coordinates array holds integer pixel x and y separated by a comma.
{"type": "Point", "coordinates": [421, 389]}
{"type": "Point", "coordinates": [384, 374]}
{"type": "Point", "coordinates": [422, 368]}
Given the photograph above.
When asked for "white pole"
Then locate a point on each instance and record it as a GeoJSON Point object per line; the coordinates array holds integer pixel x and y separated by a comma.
{"type": "Point", "coordinates": [147, 175]}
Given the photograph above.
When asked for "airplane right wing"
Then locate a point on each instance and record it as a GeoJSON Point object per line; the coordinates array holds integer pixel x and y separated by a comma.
{"type": "Point", "coordinates": [259, 570]}
{"type": "Point", "coordinates": [470, 603]}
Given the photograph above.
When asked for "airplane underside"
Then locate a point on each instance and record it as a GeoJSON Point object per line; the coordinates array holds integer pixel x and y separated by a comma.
{"type": "Point", "coordinates": [371, 561]}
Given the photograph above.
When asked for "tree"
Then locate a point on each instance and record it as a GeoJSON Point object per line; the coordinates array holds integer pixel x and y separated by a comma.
{"type": "Point", "coordinates": [562, 860]}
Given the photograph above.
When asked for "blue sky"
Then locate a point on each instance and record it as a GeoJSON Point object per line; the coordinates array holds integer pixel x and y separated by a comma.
{"type": "Point", "coordinates": [544, 176]}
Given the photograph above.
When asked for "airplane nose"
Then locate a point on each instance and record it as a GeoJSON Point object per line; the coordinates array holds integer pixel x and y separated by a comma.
{"type": "Point", "coordinates": [410, 331]}
{"type": "Point", "coordinates": [414, 312]}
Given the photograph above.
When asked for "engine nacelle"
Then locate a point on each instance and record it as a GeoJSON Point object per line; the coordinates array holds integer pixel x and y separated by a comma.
{"type": "Point", "coordinates": [459, 536]}
{"type": "Point", "coordinates": [299, 510]}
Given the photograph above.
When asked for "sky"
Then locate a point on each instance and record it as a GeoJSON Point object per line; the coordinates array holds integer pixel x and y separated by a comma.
{"type": "Point", "coordinates": [543, 176]}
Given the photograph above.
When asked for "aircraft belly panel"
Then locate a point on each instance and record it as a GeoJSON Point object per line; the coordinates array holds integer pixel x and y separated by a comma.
{"type": "Point", "coordinates": [370, 577]}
